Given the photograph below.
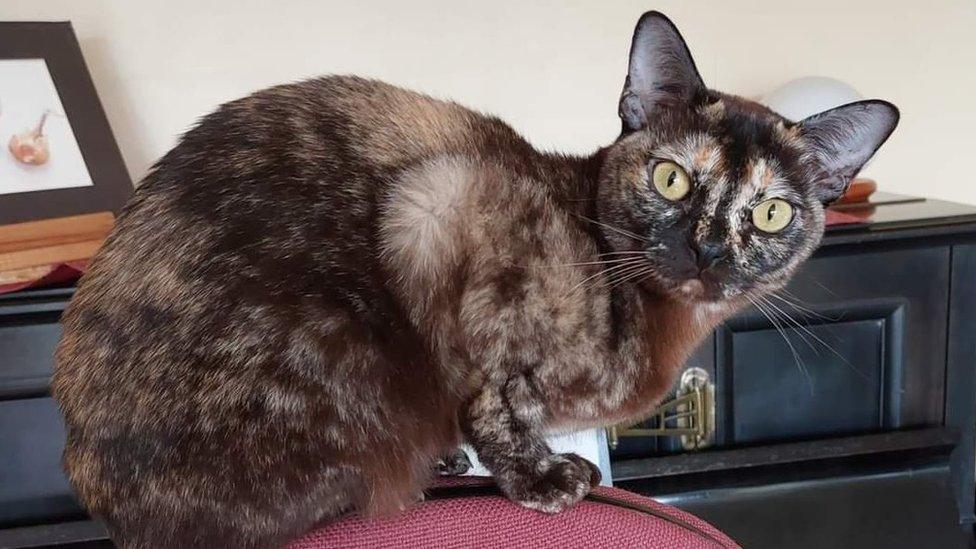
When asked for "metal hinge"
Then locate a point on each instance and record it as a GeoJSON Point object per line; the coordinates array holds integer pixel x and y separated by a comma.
{"type": "Point", "coordinates": [689, 415]}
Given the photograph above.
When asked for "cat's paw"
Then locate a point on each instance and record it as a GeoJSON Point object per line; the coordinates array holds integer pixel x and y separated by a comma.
{"type": "Point", "coordinates": [563, 479]}
{"type": "Point", "coordinates": [456, 463]}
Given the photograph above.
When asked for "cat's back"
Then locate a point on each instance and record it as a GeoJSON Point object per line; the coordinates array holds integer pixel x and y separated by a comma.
{"type": "Point", "coordinates": [303, 163]}
{"type": "Point", "coordinates": [390, 127]}
{"type": "Point", "coordinates": [343, 122]}
{"type": "Point", "coordinates": [295, 177]}
{"type": "Point", "coordinates": [261, 222]}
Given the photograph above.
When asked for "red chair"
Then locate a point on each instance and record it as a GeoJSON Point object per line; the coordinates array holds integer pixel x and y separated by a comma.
{"type": "Point", "coordinates": [469, 512]}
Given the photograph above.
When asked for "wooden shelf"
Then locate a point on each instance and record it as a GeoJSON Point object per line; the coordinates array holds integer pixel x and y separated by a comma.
{"type": "Point", "coordinates": [785, 453]}
{"type": "Point", "coordinates": [53, 535]}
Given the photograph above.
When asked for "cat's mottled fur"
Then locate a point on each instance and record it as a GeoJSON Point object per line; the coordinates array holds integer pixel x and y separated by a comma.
{"type": "Point", "coordinates": [328, 285]}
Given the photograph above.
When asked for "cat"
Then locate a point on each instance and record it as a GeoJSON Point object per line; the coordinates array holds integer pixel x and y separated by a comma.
{"type": "Point", "coordinates": [327, 286]}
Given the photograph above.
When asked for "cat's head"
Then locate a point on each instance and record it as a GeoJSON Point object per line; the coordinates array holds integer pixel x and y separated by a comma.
{"type": "Point", "coordinates": [710, 197]}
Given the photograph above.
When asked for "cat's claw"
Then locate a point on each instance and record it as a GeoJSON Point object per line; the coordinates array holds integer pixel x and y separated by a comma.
{"type": "Point", "coordinates": [565, 479]}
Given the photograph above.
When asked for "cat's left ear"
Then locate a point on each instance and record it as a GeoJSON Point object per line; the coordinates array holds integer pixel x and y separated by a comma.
{"type": "Point", "coordinates": [661, 73]}
{"type": "Point", "coordinates": [843, 139]}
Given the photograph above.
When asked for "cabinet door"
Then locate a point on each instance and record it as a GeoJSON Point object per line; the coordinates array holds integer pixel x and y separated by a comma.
{"type": "Point", "coordinates": [863, 350]}
{"type": "Point", "coordinates": [900, 509]}
{"type": "Point", "coordinates": [32, 485]}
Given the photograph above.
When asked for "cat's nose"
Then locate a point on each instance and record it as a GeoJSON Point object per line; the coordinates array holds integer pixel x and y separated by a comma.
{"type": "Point", "coordinates": [708, 253]}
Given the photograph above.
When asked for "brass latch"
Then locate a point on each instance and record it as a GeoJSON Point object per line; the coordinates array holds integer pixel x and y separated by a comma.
{"type": "Point", "coordinates": [689, 415]}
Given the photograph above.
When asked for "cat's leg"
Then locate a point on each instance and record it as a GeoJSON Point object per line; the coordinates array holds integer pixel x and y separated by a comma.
{"type": "Point", "coordinates": [504, 426]}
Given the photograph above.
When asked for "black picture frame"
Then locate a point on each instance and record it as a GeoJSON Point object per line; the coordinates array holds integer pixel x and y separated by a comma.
{"type": "Point", "coordinates": [57, 45]}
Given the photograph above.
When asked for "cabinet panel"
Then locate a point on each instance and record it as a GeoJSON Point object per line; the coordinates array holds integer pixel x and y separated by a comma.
{"type": "Point", "coordinates": [29, 332]}
{"type": "Point", "coordinates": [900, 509]}
{"type": "Point", "coordinates": [843, 285]}
{"type": "Point", "coordinates": [764, 358]}
{"type": "Point", "coordinates": [27, 345]}
{"type": "Point", "coordinates": [33, 487]}
{"type": "Point", "coordinates": [863, 350]}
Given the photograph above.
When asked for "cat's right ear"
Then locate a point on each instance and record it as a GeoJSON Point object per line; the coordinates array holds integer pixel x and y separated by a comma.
{"type": "Point", "coordinates": [661, 73]}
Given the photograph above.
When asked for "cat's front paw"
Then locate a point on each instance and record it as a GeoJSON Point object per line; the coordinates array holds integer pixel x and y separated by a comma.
{"type": "Point", "coordinates": [561, 481]}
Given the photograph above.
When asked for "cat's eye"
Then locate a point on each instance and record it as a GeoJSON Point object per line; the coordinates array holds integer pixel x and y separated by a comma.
{"type": "Point", "coordinates": [671, 180]}
{"type": "Point", "coordinates": [772, 216]}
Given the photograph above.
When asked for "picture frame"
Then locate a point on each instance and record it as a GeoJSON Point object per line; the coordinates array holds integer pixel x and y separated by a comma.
{"type": "Point", "coordinates": [90, 175]}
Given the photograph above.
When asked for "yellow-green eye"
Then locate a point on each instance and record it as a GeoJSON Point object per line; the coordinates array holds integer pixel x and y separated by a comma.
{"type": "Point", "coordinates": [671, 181]}
{"type": "Point", "coordinates": [772, 216]}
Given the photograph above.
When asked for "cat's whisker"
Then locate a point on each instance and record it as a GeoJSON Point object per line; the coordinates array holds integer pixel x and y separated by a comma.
{"type": "Point", "coordinates": [789, 322]}
{"type": "Point", "coordinates": [800, 364]}
{"type": "Point", "coordinates": [796, 356]}
{"type": "Point", "coordinates": [612, 228]}
{"type": "Point", "coordinates": [622, 266]}
{"type": "Point", "coordinates": [602, 272]}
{"type": "Point", "coordinates": [616, 278]}
{"type": "Point", "coordinates": [613, 280]}
{"type": "Point", "coordinates": [826, 289]}
{"type": "Point", "coordinates": [640, 274]}
{"type": "Point", "coordinates": [649, 273]}
{"type": "Point", "coordinates": [617, 256]}
{"type": "Point", "coordinates": [584, 263]}
{"type": "Point", "coordinates": [803, 310]}
{"type": "Point", "coordinates": [799, 326]}
{"type": "Point", "coordinates": [624, 252]}
{"type": "Point", "coordinates": [797, 304]}
{"type": "Point", "coordinates": [821, 341]}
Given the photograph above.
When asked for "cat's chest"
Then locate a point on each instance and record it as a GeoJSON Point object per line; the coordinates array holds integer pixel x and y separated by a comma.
{"type": "Point", "coordinates": [637, 372]}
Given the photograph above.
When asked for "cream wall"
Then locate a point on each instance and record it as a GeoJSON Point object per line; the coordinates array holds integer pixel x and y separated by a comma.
{"type": "Point", "coordinates": [552, 69]}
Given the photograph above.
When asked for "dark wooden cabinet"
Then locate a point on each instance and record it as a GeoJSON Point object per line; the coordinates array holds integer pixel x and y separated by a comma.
{"type": "Point", "coordinates": [853, 428]}
{"type": "Point", "coordinates": [849, 424]}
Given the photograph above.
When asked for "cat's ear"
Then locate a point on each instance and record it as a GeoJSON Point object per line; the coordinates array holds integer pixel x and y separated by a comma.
{"type": "Point", "coordinates": [661, 73]}
{"type": "Point", "coordinates": [842, 139]}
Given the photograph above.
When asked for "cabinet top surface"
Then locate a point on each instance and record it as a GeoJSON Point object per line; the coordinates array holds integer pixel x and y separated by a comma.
{"type": "Point", "coordinates": [889, 216]}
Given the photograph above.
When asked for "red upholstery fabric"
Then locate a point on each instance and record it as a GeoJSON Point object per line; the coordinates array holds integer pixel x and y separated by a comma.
{"type": "Point", "coordinates": [492, 521]}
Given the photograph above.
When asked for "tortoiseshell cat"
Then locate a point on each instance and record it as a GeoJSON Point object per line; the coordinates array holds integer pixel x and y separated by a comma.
{"type": "Point", "coordinates": [327, 285]}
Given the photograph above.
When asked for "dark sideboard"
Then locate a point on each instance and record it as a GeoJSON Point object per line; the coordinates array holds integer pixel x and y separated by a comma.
{"type": "Point", "coordinates": [856, 429]}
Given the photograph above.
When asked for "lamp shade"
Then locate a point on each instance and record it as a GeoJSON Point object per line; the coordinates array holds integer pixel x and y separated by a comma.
{"type": "Point", "coordinates": [800, 98]}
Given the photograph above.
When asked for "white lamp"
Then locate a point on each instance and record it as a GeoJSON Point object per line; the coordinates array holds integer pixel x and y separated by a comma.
{"type": "Point", "coordinates": [800, 98]}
